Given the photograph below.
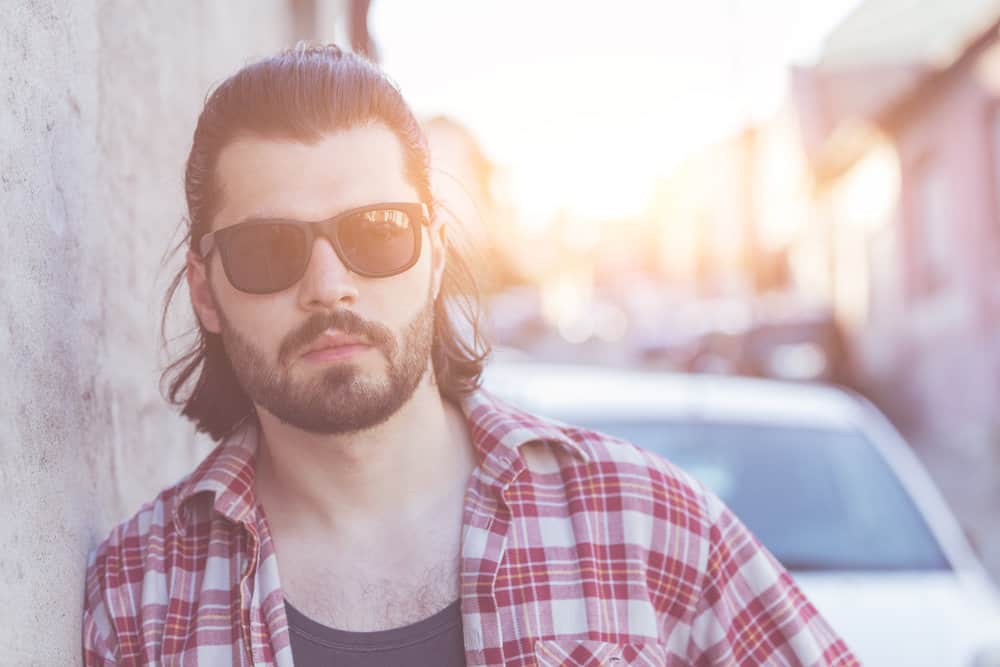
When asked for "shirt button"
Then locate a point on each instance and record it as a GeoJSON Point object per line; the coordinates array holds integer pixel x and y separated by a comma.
{"type": "Point", "coordinates": [504, 461]}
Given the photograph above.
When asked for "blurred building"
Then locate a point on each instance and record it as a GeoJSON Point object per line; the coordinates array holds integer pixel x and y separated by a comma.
{"type": "Point", "coordinates": [724, 222]}
{"type": "Point", "coordinates": [725, 217]}
{"type": "Point", "coordinates": [901, 123]}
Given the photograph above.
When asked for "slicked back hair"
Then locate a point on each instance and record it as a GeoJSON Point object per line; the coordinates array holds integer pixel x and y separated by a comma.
{"type": "Point", "coordinates": [301, 95]}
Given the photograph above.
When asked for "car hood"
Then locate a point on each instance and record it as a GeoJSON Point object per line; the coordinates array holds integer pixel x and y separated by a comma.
{"type": "Point", "coordinates": [911, 619]}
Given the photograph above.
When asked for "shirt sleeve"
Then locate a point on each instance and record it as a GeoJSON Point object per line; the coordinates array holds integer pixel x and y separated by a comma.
{"type": "Point", "coordinates": [751, 611]}
{"type": "Point", "coordinates": [99, 647]}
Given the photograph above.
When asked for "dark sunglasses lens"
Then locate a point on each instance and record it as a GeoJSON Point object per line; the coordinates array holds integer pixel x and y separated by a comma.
{"type": "Point", "coordinates": [379, 242]}
{"type": "Point", "coordinates": [264, 257]}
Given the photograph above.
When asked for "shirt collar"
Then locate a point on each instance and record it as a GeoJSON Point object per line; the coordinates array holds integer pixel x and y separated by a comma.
{"type": "Point", "coordinates": [227, 474]}
{"type": "Point", "coordinates": [498, 432]}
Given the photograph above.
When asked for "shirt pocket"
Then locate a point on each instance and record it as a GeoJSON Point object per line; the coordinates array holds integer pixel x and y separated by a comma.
{"type": "Point", "coordinates": [588, 653]}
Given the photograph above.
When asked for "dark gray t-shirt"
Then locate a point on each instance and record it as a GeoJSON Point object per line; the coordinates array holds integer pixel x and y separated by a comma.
{"type": "Point", "coordinates": [435, 641]}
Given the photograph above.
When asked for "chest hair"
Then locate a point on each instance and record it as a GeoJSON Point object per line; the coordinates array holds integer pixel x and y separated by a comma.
{"type": "Point", "coordinates": [365, 599]}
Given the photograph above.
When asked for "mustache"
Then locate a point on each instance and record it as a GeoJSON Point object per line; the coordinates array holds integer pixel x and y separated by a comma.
{"type": "Point", "coordinates": [344, 321]}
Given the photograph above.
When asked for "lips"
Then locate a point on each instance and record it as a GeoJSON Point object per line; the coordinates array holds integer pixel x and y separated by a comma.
{"type": "Point", "coordinates": [334, 343]}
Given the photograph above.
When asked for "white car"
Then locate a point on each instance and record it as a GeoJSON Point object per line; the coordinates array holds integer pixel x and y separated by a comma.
{"type": "Point", "coordinates": [821, 478]}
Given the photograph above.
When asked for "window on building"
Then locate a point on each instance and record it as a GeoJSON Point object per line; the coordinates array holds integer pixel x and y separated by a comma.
{"type": "Point", "coordinates": [932, 230]}
{"type": "Point", "coordinates": [885, 293]}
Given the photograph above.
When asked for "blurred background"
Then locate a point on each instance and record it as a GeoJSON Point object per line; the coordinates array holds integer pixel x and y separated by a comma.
{"type": "Point", "coordinates": [803, 191]}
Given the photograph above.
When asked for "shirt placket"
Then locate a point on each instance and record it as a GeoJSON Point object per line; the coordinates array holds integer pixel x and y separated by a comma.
{"type": "Point", "coordinates": [483, 542]}
{"type": "Point", "coordinates": [495, 522]}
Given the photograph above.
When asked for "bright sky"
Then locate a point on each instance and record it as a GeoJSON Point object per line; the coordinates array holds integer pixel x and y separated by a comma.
{"type": "Point", "coordinates": [587, 105]}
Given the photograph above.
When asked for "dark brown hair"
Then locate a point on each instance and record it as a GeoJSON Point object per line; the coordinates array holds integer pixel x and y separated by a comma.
{"type": "Point", "coordinates": [302, 94]}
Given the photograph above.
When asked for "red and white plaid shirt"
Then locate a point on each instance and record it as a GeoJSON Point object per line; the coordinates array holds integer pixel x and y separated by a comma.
{"type": "Point", "coordinates": [577, 549]}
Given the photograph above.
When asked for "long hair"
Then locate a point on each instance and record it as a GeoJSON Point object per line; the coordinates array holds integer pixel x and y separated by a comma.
{"type": "Point", "coordinates": [302, 94]}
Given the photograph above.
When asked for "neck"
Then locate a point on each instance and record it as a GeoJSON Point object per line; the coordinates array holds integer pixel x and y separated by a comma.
{"type": "Point", "coordinates": [401, 470]}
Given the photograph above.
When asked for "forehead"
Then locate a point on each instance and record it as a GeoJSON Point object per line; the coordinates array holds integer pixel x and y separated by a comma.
{"type": "Point", "coordinates": [262, 177]}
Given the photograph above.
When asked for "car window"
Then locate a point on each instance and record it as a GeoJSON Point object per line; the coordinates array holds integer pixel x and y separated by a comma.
{"type": "Point", "coordinates": [819, 499]}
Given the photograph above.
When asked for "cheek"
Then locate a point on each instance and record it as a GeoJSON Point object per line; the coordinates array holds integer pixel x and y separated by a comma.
{"type": "Point", "coordinates": [396, 300]}
{"type": "Point", "coordinates": [263, 320]}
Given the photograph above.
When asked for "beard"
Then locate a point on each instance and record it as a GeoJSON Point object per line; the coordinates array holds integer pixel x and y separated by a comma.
{"type": "Point", "coordinates": [341, 399]}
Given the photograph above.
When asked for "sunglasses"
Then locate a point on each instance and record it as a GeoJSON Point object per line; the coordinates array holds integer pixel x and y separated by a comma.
{"type": "Point", "coordinates": [266, 256]}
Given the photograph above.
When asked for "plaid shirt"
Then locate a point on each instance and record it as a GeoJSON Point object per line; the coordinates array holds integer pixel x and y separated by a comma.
{"type": "Point", "coordinates": [576, 549]}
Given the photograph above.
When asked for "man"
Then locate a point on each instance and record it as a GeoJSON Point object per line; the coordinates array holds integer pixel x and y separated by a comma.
{"type": "Point", "coordinates": [367, 504]}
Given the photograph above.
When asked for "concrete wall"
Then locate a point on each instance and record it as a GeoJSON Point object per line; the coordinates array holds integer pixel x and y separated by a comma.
{"type": "Point", "coordinates": [99, 101]}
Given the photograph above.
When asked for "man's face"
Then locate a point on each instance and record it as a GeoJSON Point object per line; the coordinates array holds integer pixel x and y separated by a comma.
{"type": "Point", "coordinates": [375, 333]}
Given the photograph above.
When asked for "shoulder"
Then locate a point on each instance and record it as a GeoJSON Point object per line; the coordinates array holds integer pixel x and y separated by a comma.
{"type": "Point", "coordinates": [176, 523]}
{"type": "Point", "coordinates": [596, 466]}
{"type": "Point", "coordinates": [144, 578]}
{"type": "Point", "coordinates": [121, 569]}
{"type": "Point", "coordinates": [137, 544]}
{"type": "Point", "coordinates": [132, 566]}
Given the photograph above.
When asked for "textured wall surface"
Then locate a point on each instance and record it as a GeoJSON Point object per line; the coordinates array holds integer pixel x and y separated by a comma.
{"type": "Point", "coordinates": [99, 104]}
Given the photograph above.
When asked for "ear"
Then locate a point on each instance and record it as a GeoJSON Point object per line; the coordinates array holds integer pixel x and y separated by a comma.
{"type": "Point", "coordinates": [202, 298]}
{"type": "Point", "coordinates": [439, 245]}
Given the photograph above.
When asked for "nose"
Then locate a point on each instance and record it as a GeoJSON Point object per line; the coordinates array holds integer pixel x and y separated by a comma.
{"type": "Point", "coordinates": [327, 283]}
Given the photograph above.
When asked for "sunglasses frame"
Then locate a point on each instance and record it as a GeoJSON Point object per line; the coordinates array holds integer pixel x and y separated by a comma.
{"type": "Point", "coordinates": [325, 229]}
